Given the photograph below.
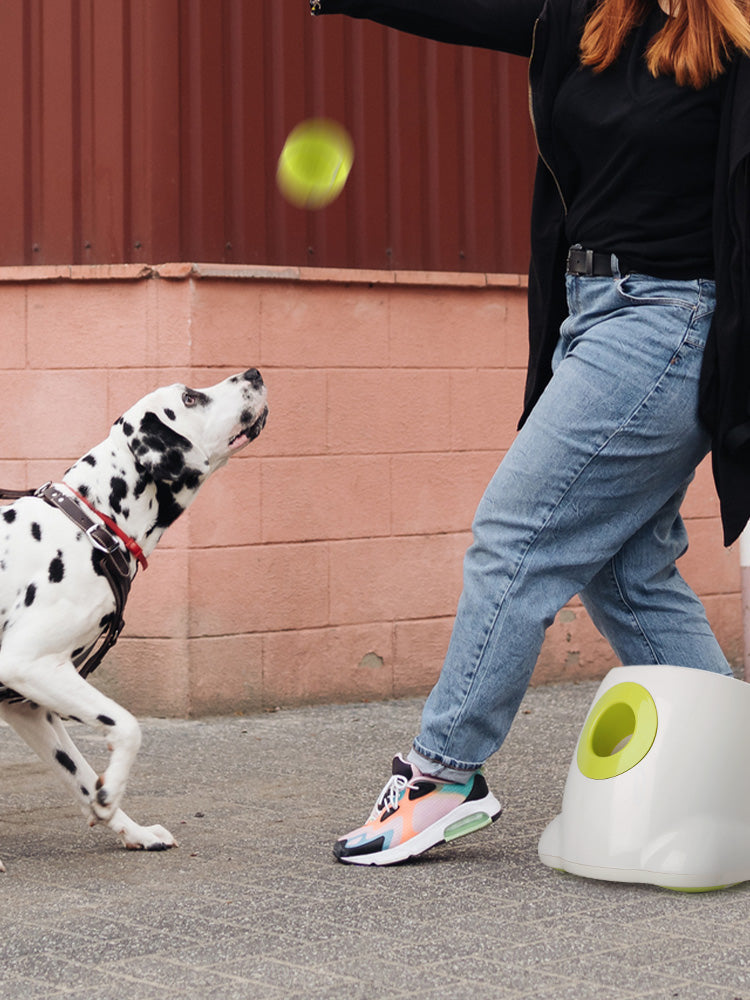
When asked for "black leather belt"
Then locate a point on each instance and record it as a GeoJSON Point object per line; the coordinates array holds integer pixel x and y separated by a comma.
{"type": "Point", "coordinates": [589, 263]}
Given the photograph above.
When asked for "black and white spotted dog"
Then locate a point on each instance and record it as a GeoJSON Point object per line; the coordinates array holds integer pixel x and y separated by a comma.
{"type": "Point", "coordinates": [55, 602]}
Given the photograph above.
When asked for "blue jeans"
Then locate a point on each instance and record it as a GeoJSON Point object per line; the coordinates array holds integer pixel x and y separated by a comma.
{"type": "Point", "coordinates": [585, 502]}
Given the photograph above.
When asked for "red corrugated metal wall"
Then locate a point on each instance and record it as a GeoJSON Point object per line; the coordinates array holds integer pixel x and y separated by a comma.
{"type": "Point", "coordinates": [148, 130]}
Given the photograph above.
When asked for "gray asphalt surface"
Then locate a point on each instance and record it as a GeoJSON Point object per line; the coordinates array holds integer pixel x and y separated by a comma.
{"type": "Point", "coordinates": [252, 905]}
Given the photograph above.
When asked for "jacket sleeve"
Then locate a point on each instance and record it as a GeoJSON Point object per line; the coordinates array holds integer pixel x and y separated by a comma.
{"type": "Point", "coordinates": [502, 25]}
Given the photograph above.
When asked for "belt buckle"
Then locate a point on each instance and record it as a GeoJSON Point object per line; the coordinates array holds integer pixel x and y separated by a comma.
{"type": "Point", "coordinates": [580, 261]}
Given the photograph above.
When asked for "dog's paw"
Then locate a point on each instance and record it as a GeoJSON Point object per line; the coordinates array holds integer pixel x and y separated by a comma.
{"type": "Point", "coordinates": [105, 803]}
{"type": "Point", "coordinates": [101, 812]}
{"type": "Point", "coordinates": [2, 867]}
{"type": "Point", "coordinates": [146, 838]}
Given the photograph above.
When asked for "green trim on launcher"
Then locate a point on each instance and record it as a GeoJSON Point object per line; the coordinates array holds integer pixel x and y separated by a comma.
{"type": "Point", "coordinates": [618, 733]}
{"type": "Point", "coordinates": [700, 888]}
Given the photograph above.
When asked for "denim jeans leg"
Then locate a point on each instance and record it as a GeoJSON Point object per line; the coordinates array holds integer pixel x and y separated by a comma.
{"type": "Point", "coordinates": [614, 438]}
{"type": "Point", "coordinates": [642, 605]}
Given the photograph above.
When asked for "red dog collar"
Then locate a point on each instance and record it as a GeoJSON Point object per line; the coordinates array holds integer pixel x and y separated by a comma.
{"type": "Point", "coordinates": [130, 543]}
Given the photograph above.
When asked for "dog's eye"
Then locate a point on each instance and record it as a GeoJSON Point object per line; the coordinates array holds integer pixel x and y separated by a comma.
{"type": "Point", "coordinates": [189, 398]}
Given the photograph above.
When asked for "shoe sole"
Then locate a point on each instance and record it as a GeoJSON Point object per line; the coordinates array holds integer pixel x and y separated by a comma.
{"type": "Point", "coordinates": [464, 819]}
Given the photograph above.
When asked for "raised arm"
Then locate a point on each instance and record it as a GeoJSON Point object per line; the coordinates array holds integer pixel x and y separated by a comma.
{"type": "Point", "coordinates": [503, 25]}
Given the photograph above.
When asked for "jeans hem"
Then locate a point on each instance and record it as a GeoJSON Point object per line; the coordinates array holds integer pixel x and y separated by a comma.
{"type": "Point", "coordinates": [447, 769]}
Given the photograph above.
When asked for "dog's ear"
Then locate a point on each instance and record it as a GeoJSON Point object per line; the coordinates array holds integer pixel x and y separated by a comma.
{"type": "Point", "coordinates": [160, 451]}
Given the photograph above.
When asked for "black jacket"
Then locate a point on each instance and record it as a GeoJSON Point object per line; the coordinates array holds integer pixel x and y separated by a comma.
{"type": "Point", "coordinates": [548, 32]}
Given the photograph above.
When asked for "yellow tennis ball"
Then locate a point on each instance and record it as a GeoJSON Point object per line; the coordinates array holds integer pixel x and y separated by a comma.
{"type": "Point", "coordinates": [315, 163]}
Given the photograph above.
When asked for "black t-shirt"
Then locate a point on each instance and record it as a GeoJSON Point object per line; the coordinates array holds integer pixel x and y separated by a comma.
{"type": "Point", "coordinates": [635, 158]}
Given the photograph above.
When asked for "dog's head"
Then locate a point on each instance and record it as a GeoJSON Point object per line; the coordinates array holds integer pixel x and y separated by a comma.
{"type": "Point", "coordinates": [182, 434]}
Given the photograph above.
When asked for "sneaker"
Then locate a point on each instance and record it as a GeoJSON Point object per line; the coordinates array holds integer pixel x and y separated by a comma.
{"type": "Point", "coordinates": [415, 812]}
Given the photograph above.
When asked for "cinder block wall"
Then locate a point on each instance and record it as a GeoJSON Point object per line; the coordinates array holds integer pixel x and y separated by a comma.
{"type": "Point", "coordinates": [324, 562]}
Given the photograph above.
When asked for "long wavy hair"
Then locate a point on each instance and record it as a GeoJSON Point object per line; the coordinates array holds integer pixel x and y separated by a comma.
{"type": "Point", "coordinates": [693, 46]}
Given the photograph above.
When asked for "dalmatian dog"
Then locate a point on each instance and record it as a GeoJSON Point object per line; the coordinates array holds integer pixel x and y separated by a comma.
{"type": "Point", "coordinates": [55, 602]}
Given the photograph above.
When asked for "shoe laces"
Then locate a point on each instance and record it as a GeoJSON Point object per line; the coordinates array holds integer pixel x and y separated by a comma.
{"type": "Point", "coordinates": [389, 798]}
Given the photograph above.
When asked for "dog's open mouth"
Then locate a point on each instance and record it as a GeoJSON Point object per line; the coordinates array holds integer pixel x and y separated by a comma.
{"type": "Point", "coordinates": [249, 432]}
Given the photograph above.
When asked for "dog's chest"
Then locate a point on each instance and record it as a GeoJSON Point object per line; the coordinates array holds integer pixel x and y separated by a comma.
{"type": "Point", "coordinates": [45, 561]}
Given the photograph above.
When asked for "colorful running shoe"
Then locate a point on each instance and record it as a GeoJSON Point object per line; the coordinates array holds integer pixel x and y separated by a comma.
{"type": "Point", "coordinates": [415, 812]}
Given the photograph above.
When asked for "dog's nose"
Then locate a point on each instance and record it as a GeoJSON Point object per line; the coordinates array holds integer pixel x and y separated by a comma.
{"type": "Point", "coordinates": [254, 377]}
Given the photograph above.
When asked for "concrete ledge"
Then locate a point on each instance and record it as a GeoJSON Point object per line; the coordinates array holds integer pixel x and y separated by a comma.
{"type": "Point", "coordinates": [181, 271]}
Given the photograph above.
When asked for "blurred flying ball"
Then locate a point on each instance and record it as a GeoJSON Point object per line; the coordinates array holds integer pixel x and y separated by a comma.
{"type": "Point", "coordinates": [315, 163]}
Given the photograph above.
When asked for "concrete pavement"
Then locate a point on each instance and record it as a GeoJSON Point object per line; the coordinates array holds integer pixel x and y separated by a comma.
{"type": "Point", "coordinates": [252, 905]}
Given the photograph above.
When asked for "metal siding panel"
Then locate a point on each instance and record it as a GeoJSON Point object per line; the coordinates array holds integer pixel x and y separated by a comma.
{"type": "Point", "coordinates": [203, 117]}
{"type": "Point", "coordinates": [244, 182]}
{"type": "Point", "coordinates": [250, 220]}
{"type": "Point", "coordinates": [290, 103]}
{"type": "Point", "coordinates": [476, 195]}
{"type": "Point", "coordinates": [408, 163]}
{"type": "Point", "coordinates": [485, 169]}
{"type": "Point", "coordinates": [327, 65]}
{"type": "Point", "coordinates": [516, 161]}
{"type": "Point", "coordinates": [153, 216]}
{"type": "Point", "coordinates": [51, 134]}
{"type": "Point", "coordinates": [445, 154]}
{"type": "Point", "coordinates": [102, 151]}
{"type": "Point", "coordinates": [369, 219]}
{"type": "Point", "coordinates": [147, 130]}
{"type": "Point", "coordinates": [15, 117]}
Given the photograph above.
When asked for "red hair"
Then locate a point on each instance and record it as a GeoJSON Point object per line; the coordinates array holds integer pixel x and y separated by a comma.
{"type": "Point", "coordinates": [693, 46]}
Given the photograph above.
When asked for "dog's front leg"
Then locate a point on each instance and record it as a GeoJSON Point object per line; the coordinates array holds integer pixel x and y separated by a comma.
{"type": "Point", "coordinates": [132, 835]}
{"type": "Point", "coordinates": [45, 733]}
{"type": "Point", "coordinates": [59, 688]}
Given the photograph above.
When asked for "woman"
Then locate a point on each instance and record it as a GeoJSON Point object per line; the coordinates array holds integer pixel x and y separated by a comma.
{"type": "Point", "coordinates": [638, 365]}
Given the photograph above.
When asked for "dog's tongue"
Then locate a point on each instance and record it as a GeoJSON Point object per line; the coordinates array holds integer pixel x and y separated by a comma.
{"type": "Point", "coordinates": [239, 440]}
{"type": "Point", "coordinates": [247, 434]}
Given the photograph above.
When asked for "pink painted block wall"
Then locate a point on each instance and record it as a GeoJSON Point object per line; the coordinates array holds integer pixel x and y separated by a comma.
{"type": "Point", "coordinates": [324, 563]}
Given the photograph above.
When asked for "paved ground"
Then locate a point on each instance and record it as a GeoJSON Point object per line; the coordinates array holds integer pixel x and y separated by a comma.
{"type": "Point", "coordinates": [252, 906]}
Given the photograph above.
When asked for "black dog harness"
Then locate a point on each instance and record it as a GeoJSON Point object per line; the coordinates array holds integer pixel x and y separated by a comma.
{"type": "Point", "coordinates": [114, 564]}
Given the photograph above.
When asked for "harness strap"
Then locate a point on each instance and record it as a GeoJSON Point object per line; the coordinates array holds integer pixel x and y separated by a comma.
{"type": "Point", "coordinates": [16, 494]}
{"type": "Point", "coordinates": [130, 543]}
